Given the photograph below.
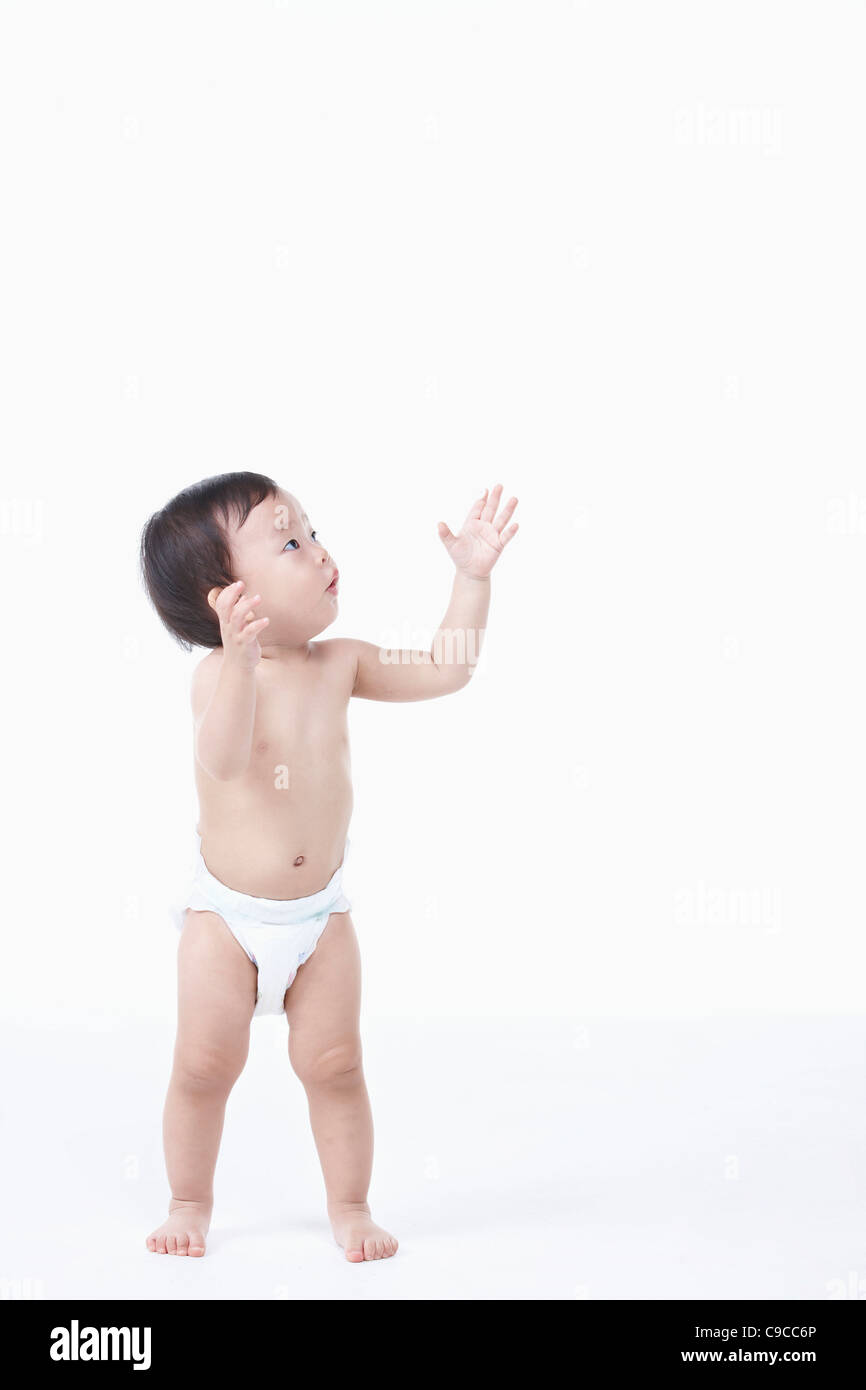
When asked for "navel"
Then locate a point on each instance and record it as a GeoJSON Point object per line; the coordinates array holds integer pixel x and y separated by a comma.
{"type": "Point", "coordinates": [299, 860]}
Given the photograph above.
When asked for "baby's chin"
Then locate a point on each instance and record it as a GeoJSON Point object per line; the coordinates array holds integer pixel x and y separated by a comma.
{"type": "Point", "coordinates": [282, 631]}
{"type": "Point", "coordinates": [326, 613]}
{"type": "Point", "coordinates": [333, 615]}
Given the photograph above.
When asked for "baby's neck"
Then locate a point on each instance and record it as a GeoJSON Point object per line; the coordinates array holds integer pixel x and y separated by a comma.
{"type": "Point", "coordinates": [287, 655]}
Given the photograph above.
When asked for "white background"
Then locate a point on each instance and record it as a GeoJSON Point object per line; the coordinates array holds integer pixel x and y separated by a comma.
{"type": "Point", "coordinates": [607, 254]}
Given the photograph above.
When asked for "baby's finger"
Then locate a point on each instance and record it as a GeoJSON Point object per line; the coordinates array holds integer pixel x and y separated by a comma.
{"type": "Point", "coordinates": [253, 628]}
{"type": "Point", "coordinates": [505, 513]}
{"type": "Point", "coordinates": [225, 598]}
{"type": "Point", "coordinates": [242, 609]}
{"type": "Point", "coordinates": [489, 509]}
{"type": "Point", "coordinates": [476, 509]}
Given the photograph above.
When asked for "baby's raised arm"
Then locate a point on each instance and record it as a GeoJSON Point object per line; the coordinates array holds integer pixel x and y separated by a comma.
{"type": "Point", "coordinates": [385, 674]}
{"type": "Point", "coordinates": [224, 701]}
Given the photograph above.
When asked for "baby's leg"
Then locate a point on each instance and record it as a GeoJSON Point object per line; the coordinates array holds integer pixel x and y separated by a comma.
{"type": "Point", "coordinates": [215, 1003]}
{"type": "Point", "coordinates": [323, 1008]}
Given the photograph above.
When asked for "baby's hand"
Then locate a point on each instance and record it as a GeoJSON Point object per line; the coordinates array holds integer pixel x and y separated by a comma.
{"type": "Point", "coordinates": [238, 625]}
{"type": "Point", "coordinates": [481, 542]}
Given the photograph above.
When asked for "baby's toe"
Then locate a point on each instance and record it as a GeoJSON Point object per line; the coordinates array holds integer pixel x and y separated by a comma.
{"type": "Point", "coordinates": [183, 1243]}
{"type": "Point", "coordinates": [196, 1243]}
{"type": "Point", "coordinates": [171, 1244]}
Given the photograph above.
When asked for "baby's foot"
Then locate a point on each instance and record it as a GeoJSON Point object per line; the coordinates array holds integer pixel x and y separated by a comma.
{"type": "Point", "coordinates": [184, 1232]}
{"type": "Point", "coordinates": [357, 1232]}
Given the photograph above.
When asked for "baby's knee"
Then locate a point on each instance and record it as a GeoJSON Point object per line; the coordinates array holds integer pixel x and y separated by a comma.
{"type": "Point", "coordinates": [317, 1066]}
{"type": "Point", "coordinates": [200, 1067]}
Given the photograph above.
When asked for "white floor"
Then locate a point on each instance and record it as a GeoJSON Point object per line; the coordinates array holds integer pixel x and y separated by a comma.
{"type": "Point", "coordinates": [524, 1160]}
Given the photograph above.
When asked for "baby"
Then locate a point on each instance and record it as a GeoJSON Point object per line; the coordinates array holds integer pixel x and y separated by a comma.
{"type": "Point", "coordinates": [232, 563]}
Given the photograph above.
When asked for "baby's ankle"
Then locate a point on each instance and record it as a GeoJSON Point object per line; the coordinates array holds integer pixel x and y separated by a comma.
{"type": "Point", "coordinates": [193, 1203]}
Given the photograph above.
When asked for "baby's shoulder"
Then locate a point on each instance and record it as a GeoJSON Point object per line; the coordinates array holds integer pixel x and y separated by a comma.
{"type": "Point", "coordinates": [204, 678]}
{"type": "Point", "coordinates": [209, 663]}
{"type": "Point", "coordinates": [334, 648]}
{"type": "Point", "coordinates": [340, 654]}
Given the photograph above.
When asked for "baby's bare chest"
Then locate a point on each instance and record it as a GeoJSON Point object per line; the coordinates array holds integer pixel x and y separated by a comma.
{"type": "Point", "coordinates": [301, 721]}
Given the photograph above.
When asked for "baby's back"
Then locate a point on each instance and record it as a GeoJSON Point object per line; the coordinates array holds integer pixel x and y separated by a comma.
{"type": "Point", "coordinates": [279, 830]}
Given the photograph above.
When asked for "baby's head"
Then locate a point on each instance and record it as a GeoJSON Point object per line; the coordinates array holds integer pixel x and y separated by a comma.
{"type": "Point", "coordinates": [237, 526]}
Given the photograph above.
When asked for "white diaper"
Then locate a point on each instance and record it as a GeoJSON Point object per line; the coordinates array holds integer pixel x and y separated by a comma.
{"type": "Point", "coordinates": [278, 934]}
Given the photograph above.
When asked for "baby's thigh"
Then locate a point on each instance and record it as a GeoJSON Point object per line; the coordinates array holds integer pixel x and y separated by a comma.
{"type": "Point", "coordinates": [216, 985]}
{"type": "Point", "coordinates": [324, 1002]}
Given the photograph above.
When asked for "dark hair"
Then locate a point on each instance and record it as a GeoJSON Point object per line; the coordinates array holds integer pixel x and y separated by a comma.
{"type": "Point", "coordinates": [185, 552]}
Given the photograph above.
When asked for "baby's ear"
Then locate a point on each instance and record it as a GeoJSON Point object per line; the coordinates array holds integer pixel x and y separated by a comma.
{"type": "Point", "coordinates": [212, 598]}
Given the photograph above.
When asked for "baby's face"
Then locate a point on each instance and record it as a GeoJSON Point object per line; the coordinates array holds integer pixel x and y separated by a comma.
{"type": "Point", "coordinates": [277, 554]}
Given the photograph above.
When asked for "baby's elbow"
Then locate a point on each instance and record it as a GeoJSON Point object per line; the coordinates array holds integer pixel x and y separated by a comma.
{"type": "Point", "coordinates": [455, 680]}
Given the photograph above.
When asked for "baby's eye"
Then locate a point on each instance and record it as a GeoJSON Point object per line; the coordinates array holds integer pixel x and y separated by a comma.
{"type": "Point", "coordinates": [296, 543]}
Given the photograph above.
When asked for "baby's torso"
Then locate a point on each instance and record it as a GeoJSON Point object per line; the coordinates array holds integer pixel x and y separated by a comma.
{"type": "Point", "coordinates": [279, 831]}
